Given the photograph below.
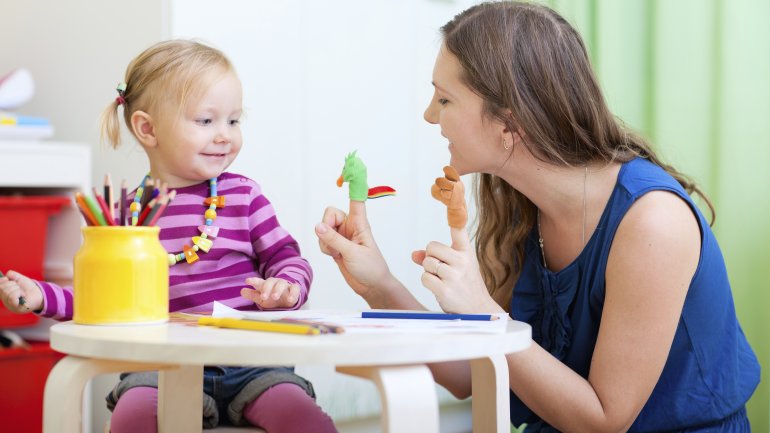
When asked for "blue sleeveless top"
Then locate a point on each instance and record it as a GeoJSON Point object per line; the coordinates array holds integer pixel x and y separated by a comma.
{"type": "Point", "coordinates": [711, 370]}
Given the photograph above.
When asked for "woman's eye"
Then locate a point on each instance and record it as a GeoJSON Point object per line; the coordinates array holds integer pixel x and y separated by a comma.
{"type": "Point", "coordinates": [203, 121]}
{"type": "Point", "coordinates": [443, 101]}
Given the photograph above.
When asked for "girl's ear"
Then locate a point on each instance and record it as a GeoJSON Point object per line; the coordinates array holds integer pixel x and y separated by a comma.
{"type": "Point", "coordinates": [144, 128]}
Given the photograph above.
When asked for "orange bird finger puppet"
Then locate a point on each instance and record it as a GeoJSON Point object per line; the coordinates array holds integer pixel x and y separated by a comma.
{"type": "Point", "coordinates": [451, 191]}
{"type": "Point", "coordinates": [354, 173]}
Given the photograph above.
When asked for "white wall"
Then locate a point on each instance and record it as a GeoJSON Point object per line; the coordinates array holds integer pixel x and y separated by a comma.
{"type": "Point", "coordinates": [321, 78]}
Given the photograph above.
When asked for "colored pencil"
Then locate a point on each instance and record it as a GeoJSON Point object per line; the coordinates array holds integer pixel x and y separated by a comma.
{"type": "Point", "coordinates": [149, 187]}
{"type": "Point", "coordinates": [156, 213]}
{"type": "Point", "coordinates": [425, 315]}
{"type": "Point", "coordinates": [108, 197]}
{"type": "Point", "coordinates": [104, 208]}
{"type": "Point", "coordinates": [259, 325]}
{"type": "Point", "coordinates": [146, 211]}
{"type": "Point", "coordinates": [85, 210]}
{"type": "Point", "coordinates": [94, 208]}
{"type": "Point", "coordinates": [123, 202]}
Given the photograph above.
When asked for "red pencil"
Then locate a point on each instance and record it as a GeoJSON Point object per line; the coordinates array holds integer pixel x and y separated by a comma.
{"type": "Point", "coordinates": [146, 211]}
{"type": "Point", "coordinates": [104, 208]}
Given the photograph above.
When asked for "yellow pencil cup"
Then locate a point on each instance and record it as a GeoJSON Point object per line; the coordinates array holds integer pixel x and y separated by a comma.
{"type": "Point", "coordinates": [121, 277]}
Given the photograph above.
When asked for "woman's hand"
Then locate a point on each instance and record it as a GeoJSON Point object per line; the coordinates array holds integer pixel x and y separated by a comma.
{"type": "Point", "coordinates": [271, 293]}
{"type": "Point", "coordinates": [14, 287]}
{"type": "Point", "coordinates": [452, 274]}
{"type": "Point", "coordinates": [348, 240]}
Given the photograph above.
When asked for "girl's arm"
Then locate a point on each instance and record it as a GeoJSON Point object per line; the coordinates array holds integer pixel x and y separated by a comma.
{"type": "Point", "coordinates": [277, 253]}
{"type": "Point", "coordinates": [44, 298]}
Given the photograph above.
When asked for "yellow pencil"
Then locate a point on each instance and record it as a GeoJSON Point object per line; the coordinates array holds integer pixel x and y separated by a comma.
{"type": "Point", "coordinates": [259, 325]}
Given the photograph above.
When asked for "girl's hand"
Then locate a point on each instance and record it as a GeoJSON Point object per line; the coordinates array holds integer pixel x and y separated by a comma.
{"type": "Point", "coordinates": [14, 286]}
{"type": "Point", "coordinates": [452, 274]}
{"type": "Point", "coordinates": [348, 240]}
{"type": "Point", "coordinates": [271, 293]}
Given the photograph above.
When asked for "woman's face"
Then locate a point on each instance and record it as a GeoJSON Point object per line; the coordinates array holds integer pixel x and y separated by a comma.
{"type": "Point", "coordinates": [475, 142]}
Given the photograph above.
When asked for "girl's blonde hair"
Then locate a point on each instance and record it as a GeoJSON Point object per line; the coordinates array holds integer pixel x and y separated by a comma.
{"type": "Point", "coordinates": [530, 67]}
{"type": "Point", "coordinates": [166, 75]}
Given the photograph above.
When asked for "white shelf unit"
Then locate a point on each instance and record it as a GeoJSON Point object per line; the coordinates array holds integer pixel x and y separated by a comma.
{"type": "Point", "coordinates": [49, 168]}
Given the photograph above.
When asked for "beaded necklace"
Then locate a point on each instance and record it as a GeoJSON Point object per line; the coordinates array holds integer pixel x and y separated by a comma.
{"type": "Point", "coordinates": [204, 242]}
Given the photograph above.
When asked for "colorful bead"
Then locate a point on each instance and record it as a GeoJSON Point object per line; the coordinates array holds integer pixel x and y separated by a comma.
{"type": "Point", "coordinates": [216, 201]}
{"type": "Point", "coordinates": [202, 243]}
{"type": "Point", "coordinates": [134, 207]}
{"type": "Point", "coordinates": [189, 255]}
{"type": "Point", "coordinates": [209, 230]}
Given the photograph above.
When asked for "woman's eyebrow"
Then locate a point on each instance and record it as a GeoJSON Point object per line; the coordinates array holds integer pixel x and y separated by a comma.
{"type": "Point", "coordinates": [442, 89]}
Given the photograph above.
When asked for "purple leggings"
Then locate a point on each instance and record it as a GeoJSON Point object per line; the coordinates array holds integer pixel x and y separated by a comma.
{"type": "Point", "coordinates": [283, 408]}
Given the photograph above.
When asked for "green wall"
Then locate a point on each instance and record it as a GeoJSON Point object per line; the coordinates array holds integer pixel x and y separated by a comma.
{"type": "Point", "coordinates": [693, 76]}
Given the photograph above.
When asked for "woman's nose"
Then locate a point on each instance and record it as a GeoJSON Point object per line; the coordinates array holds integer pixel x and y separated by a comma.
{"type": "Point", "coordinates": [431, 112]}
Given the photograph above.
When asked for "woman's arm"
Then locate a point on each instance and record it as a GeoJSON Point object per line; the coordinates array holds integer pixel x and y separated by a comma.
{"type": "Point", "coordinates": [651, 263]}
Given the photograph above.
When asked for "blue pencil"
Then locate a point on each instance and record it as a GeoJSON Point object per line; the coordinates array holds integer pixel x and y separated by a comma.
{"type": "Point", "coordinates": [427, 315]}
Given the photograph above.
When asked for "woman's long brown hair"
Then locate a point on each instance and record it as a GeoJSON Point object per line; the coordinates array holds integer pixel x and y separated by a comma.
{"type": "Point", "coordinates": [526, 60]}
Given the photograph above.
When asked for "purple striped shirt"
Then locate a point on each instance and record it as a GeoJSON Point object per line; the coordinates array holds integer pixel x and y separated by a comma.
{"type": "Point", "coordinates": [250, 243]}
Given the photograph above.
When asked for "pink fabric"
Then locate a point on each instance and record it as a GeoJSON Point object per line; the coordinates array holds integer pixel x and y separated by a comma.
{"type": "Point", "coordinates": [284, 408]}
{"type": "Point", "coordinates": [136, 411]}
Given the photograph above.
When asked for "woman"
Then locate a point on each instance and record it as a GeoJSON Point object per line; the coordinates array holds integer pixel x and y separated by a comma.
{"type": "Point", "coordinates": [582, 232]}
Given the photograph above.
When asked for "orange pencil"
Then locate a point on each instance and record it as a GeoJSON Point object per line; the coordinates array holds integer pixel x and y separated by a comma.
{"type": "Point", "coordinates": [81, 202]}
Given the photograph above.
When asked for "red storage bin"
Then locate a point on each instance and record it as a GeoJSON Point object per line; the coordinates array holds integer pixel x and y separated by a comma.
{"type": "Point", "coordinates": [22, 381]}
{"type": "Point", "coordinates": [24, 221]}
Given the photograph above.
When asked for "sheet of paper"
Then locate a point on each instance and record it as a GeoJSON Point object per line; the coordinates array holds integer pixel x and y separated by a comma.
{"type": "Point", "coordinates": [353, 323]}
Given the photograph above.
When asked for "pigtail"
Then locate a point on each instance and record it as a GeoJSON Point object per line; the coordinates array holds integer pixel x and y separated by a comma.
{"type": "Point", "coordinates": [110, 125]}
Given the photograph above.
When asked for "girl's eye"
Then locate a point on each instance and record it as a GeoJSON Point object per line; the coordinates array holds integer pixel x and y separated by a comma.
{"type": "Point", "coordinates": [235, 122]}
{"type": "Point", "coordinates": [443, 101]}
{"type": "Point", "coordinates": [203, 121]}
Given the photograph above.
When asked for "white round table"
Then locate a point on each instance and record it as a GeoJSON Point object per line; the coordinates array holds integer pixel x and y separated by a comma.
{"type": "Point", "coordinates": [395, 362]}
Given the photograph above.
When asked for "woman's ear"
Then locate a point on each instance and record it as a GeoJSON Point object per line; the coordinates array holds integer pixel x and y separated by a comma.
{"type": "Point", "coordinates": [144, 128]}
{"type": "Point", "coordinates": [511, 132]}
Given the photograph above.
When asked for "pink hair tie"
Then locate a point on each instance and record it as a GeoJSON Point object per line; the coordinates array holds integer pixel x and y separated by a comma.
{"type": "Point", "coordinates": [121, 89]}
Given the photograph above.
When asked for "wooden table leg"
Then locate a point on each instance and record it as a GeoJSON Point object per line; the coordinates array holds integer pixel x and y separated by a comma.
{"type": "Point", "coordinates": [408, 395]}
{"type": "Point", "coordinates": [63, 398]}
{"type": "Point", "coordinates": [180, 399]}
{"type": "Point", "coordinates": [491, 407]}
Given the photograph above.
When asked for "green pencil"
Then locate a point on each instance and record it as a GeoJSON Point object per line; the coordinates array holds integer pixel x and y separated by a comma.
{"type": "Point", "coordinates": [95, 210]}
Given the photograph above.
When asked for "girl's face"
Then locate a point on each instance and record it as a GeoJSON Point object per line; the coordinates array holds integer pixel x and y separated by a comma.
{"type": "Point", "coordinates": [203, 139]}
{"type": "Point", "coordinates": [475, 142]}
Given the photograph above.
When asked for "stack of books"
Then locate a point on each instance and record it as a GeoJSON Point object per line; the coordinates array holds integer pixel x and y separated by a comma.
{"type": "Point", "coordinates": [15, 127]}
